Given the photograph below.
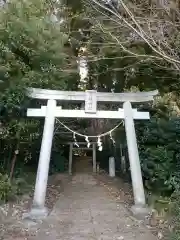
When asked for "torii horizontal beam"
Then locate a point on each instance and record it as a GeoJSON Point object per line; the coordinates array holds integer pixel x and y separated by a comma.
{"type": "Point", "coordinates": [62, 113]}
{"type": "Point", "coordinates": [81, 96]}
{"type": "Point", "coordinates": [82, 148]}
{"type": "Point", "coordinates": [79, 143]}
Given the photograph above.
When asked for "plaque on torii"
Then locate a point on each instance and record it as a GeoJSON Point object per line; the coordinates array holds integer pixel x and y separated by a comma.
{"type": "Point", "coordinates": [90, 101]}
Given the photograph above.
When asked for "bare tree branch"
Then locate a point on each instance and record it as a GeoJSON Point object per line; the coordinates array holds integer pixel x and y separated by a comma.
{"type": "Point", "coordinates": [156, 24]}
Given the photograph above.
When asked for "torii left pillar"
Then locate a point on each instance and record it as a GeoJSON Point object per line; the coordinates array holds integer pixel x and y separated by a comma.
{"type": "Point", "coordinates": [38, 208]}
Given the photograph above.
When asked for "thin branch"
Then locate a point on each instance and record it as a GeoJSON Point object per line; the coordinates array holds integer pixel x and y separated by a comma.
{"type": "Point", "coordinates": [139, 31]}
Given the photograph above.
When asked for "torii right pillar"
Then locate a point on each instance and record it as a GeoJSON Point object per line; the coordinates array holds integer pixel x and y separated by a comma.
{"type": "Point", "coordinates": [139, 209]}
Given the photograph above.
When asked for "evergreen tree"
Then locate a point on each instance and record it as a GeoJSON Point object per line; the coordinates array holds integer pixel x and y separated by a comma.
{"type": "Point", "coordinates": [32, 50]}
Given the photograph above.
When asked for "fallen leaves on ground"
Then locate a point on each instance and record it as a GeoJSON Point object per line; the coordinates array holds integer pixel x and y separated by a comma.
{"type": "Point", "coordinates": [124, 194]}
{"type": "Point", "coordinates": [11, 213]}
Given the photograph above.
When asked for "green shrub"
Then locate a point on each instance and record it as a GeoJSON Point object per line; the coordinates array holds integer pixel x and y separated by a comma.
{"type": "Point", "coordinates": [10, 190]}
{"type": "Point", "coordinates": [7, 190]}
{"type": "Point", "coordinates": [19, 185]}
{"type": "Point", "coordinates": [175, 219]}
{"type": "Point", "coordinates": [157, 165]}
{"type": "Point", "coordinates": [158, 142]}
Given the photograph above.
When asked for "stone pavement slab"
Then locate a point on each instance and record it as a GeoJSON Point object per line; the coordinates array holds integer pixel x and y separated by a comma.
{"type": "Point", "coordinates": [85, 211]}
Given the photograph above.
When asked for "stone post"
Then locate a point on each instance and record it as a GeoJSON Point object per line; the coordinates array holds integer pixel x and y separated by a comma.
{"type": "Point", "coordinates": [112, 167]}
{"type": "Point", "coordinates": [97, 168]}
{"type": "Point", "coordinates": [123, 164]}
{"type": "Point", "coordinates": [70, 157]}
{"type": "Point", "coordinates": [94, 157]}
{"type": "Point", "coordinates": [137, 183]}
{"type": "Point", "coordinates": [123, 160]}
{"type": "Point", "coordinates": [38, 208]}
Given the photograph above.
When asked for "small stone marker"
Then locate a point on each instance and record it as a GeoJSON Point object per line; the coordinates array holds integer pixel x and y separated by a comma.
{"type": "Point", "coordinates": [112, 167]}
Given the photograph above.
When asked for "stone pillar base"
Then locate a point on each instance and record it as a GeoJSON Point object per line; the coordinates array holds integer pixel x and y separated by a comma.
{"type": "Point", "coordinates": [36, 214]}
{"type": "Point", "coordinates": [140, 211]}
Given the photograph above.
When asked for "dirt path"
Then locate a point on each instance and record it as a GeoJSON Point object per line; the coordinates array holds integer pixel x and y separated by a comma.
{"type": "Point", "coordinates": [85, 211]}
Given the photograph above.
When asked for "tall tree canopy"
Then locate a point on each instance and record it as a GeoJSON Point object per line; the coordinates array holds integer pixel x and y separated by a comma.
{"type": "Point", "coordinates": [33, 50]}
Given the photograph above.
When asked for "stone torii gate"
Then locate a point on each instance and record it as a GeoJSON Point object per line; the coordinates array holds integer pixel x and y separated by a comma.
{"type": "Point", "coordinates": [90, 97]}
{"type": "Point", "coordinates": [71, 148]}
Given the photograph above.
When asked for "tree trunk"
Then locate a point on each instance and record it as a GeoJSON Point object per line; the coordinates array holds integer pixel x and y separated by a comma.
{"type": "Point", "coordinates": [16, 152]}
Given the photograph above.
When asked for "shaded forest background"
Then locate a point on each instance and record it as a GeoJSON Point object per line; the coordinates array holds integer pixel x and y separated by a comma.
{"type": "Point", "coordinates": [133, 46]}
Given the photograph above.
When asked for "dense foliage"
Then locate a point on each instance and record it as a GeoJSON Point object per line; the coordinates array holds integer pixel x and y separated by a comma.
{"type": "Point", "coordinates": [40, 44]}
{"type": "Point", "coordinates": [159, 153]}
{"type": "Point", "coordinates": [33, 53]}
